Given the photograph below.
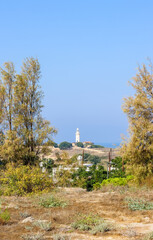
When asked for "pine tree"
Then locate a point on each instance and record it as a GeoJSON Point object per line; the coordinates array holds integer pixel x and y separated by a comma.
{"type": "Point", "coordinates": [138, 151]}
{"type": "Point", "coordinates": [27, 135]}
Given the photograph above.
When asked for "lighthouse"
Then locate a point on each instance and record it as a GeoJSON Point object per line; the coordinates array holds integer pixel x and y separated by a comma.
{"type": "Point", "coordinates": [77, 136]}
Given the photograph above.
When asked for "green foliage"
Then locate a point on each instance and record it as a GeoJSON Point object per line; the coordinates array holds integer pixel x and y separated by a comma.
{"type": "Point", "coordinates": [101, 228]}
{"type": "Point", "coordinates": [86, 222]}
{"type": "Point", "coordinates": [48, 164]}
{"type": "Point", "coordinates": [92, 223]}
{"type": "Point", "coordinates": [1, 137]}
{"type": "Point", "coordinates": [80, 144]}
{"type": "Point", "coordinates": [65, 145]}
{"type": "Point", "coordinates": [117, 181]}
{"type": "Point", "coordinates": [92, 158]}
{"type": "Point", "coordinates": [52, 201]}
{"type": "Point", "coordinates": [118, 166]}
{"type": "Point", "coordinates": [87, 179]}
{"type": "Point", "coordinates": [55, 145]}
{"type": "Point", "coordinates": [20, 114]}
{"type": "Point", "coordinates": [138, 204]}
{"type": "Point", "coordinates": [63, 178]}
{"type": "Point", "coordinates": [24, 180]}
{"type": "Point", "coordinates": [4, 216]}
{"type": "Point", "coordinates": [96, 146]}
{"type": "Point", "coordinates": [138, 150]}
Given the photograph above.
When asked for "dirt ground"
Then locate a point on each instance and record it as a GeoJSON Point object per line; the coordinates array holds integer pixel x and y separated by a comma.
{"type": "Point", "coordinates": [107, 203]}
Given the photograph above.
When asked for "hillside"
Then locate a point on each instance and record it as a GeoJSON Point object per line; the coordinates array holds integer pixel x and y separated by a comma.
{"type": "Point", "coordinates": [101, 152]}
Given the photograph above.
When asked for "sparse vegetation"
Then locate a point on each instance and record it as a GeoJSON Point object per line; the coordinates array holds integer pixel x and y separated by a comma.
{"type": "Point", "coordinates": [92, 223]}
{"type": "Point", "coordinates": [36, 236]}
{"type": "Point", "coordinates": [25, 214]}
{"type": "Point", "coordinates": [148, 236]}
{"type": "Point", "coordinates": [44, 225]}
{"type": "Point", "coordinates": [52, 201]}
{"type": "Point", "coordinates": [61, 237]}
{"type": "Point", "coordinates": [102, 227]}
{"type": "Point", "coordinates": [138, 204]}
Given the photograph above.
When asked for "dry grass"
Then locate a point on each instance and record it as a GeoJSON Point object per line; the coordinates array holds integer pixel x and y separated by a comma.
{"type": "Point", "coordinates": [109, 205]}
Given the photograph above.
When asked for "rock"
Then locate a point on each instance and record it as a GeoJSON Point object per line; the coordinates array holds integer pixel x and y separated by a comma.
{"type": "Point", "coordinates": [28, 219]}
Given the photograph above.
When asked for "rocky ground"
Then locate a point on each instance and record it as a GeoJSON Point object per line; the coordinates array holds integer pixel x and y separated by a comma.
{"type": "Point", "coordinates": [108, 203]}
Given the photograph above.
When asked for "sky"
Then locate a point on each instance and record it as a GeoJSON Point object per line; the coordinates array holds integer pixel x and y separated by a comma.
{"type": "Point", "coordinates": [88, 51]}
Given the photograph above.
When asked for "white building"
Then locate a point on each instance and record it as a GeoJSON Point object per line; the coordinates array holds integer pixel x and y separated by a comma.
{"type": "Point", "coordinates": [77, 136]}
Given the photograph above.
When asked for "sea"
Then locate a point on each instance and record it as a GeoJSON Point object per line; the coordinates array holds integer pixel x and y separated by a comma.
{"type": "Point", "coordinates": [108, 145]}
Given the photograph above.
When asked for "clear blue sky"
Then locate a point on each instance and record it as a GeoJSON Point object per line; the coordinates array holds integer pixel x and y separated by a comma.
{"type": "Point", "coordinates": [88, 50]}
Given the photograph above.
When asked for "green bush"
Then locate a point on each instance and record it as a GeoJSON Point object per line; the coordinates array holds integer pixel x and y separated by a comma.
{"type": "Point", "coordinates": [23, 180]}
{"type": "Point", "coordinates": [80, 144]}
{"type": "Point", "coordinates": [138, 204]}
{"type": "Point", "coordinates": [65, 145]}
{"type": "Point", "coordinates": [52, 201]}
{"type": "Point", "coordinates": [87, 179]}
{"type": "Point", "coordinates": [92, 223]}
{"type": "Point", "coordinates": [4, 216]}
{"type": "Point", "coordinates": [96, 146]}
{"type": "Point", "coordinates": [117, 170]}
{"type": "Point", "coordinates": [55, 145]}
{"type": "Point", "coordinates": [117, 181]}
{"type": "Point", "coordinates": [92, 158]}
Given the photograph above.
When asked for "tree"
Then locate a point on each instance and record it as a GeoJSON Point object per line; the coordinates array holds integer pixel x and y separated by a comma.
{"type": "Point", "coordinates": [65, 145]}
{"type": "Point", "coordinates": [80, 144]}
{"type": "Point", "coordinates": [118, 168]}
{"type": "Point", "coordinates": [138, 150]}
{"type": "Point", "coordinates": [26, 132]}
{"type": "Point", "coordinates": [6, 94]}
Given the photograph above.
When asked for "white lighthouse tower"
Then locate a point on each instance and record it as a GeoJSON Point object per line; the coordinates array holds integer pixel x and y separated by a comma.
{"type": "Point", "coordinates": [77, 136]}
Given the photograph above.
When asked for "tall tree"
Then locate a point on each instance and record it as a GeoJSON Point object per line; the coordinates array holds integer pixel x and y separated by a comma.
{"type": "Point", "coordinates": [6, 94]}
{"type": "Point", "coordinates": [30, 131]}
{"type": "Point", "coordinates": [138, 151]}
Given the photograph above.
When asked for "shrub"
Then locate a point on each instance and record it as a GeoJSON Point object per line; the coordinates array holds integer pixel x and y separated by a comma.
{"type": "Point", "coordinates": [52, 201]}
{"type": "Point", "coordinates": [117, 181]}
{"type": "Point", "coordinates": [87, 179]}
{"type": "Point", "coordinates": [4, 216]}
{"type": "Point", "coordinates": [92, 158]}
{"type": "Point", "coordinates": [96, 146]}
{"type": "Point", "coordinates": [55, 145]}
{"type": "Point", "coordinates": [80, 144]}
{"type": "Point", "coordinates": [23, 180]}
{"type": "Point", "coordinates": [92, 223]}
{"type": "Point", "coordinates": [149, 236]}
{"type": "Point", "coordinates": [65, 145]}
{"type": "Point", "coordinates": [36, 236]}
{"type": "Point", "coordinates": [61, 237]}
{"type": "Point", "coordinates": [86, 222]}
{"type": "Point", "coordinates": [118, 166]}
{"type": "Point", "coordinates": [63, 178]}
{"type": "Point", "coordinates": [43, 225]}
{"type": "Point", "coordinates": [102, 227]}
{"type": "Point", "coordinates": [138, 204]}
